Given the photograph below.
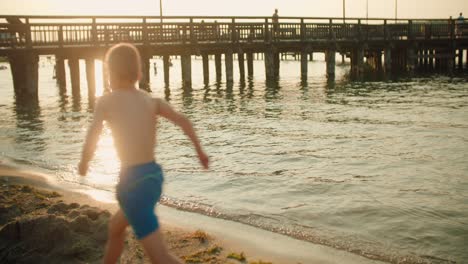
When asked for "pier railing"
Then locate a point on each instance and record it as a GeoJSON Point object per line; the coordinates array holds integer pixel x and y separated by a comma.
{"type": "Point", "coordinates": [40, 32]}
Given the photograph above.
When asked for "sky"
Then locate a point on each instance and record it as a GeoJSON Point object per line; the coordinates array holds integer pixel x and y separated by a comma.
{"type": "Point", "coordinates": [305, 8]}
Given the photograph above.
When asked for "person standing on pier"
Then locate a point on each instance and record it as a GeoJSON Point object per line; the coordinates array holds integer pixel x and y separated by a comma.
{"type": "Point", "coordinates": [132, 115]}
{"type": "Point", "coordinates": [459, 25]}
{"type": "Point", "coordinates": [275, 20]}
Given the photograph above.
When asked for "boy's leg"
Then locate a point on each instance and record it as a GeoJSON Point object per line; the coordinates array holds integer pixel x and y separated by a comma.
{"type": "Point", "coordinates": [116, 237]}
{"type": "Point", "coordinates": [156, 249]}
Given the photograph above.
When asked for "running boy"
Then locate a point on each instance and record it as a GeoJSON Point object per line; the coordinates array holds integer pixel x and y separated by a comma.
{"type": "Point", "coordinates": [132, 115]}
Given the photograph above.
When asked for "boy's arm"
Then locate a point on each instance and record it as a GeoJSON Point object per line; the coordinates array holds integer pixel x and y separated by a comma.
{"type": "Point", "coordinates": [91, 140]}
{"type": "Point", "coordinates": [165, 110]}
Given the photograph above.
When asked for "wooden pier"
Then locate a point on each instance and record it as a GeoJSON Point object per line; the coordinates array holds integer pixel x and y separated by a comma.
{"type": "Point", "coordinates": [377, 45]}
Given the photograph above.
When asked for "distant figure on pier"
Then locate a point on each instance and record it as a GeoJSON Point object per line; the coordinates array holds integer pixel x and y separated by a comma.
{"type": "Point", "coordinates": [275, 21]}
{"type": "Point", "coordinates": [155, 68]}
{"type": "Point", "coordinates": [132, 115]}
{"type": "Point", "coordinates": [459, 25]}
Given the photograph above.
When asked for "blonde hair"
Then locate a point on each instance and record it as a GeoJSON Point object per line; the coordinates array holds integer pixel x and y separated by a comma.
{"type": "Point", "coordinates": [123, 63]}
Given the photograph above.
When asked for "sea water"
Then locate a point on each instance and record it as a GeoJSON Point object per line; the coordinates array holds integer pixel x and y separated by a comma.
{"type": "Point", "coordinates": [377, 168]}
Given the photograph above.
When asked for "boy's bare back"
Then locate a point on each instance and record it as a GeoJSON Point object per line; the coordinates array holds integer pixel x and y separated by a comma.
{"type": "Point", "coordinates": [131, 114]}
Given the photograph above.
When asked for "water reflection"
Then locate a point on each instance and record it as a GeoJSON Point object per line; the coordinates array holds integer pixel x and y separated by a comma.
{"type": "Point", "coordinates": [187, 96]}
{"type": "Point", "coordinates": [30, 126]}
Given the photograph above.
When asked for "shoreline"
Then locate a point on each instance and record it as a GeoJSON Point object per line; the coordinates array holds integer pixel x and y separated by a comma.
{"type": "Point", "coordinates": [183, 230]}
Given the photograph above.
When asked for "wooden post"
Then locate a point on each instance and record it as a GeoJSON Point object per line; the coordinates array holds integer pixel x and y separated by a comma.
{"type": "Point", "coordinates": [269, 65]}
{"type": "Point", "coordinates": [304, 65]}
{"type": "Point", "coordinates": [240, 58]}
{"type": "Point", "coordinates": [250, 69]}
{"type": "Point", "coordinates": [388, 60]}
{"type": "Point", "coordinates": [229, 66]}
{"type": "Point", "coordinates": [28, 35]}
{"type": "Point", "coordinates": [90, 77]}
{"type": "Point", "coordinates": [330, 56]}
{"type": "Point", "coordinates": [74, 65]}
{"type": "Point", "coordinates": [60, 72]}
{"type": "Point", "coordinates": [145, 69]}
{"type": "Point", "coordinates": [186, 63]}
{"type": "Point", "coordinates": [206, 69]}
{"type": "Point", "coordinates": [451, 61]}
{"type": "Point", "coordinates": [166, 66]}
{"type": "Point", "coordinates": [460, 60]}
{"type": "Point", "coordinates": [311, 56]}
{"type": "Point", "coordinates": [410, 60]}
{"type": "Point", "coordinates": [218, 67]}
{"type": "Point", "coordinates": [276, 60]}
{"type": "Point", "coordinates": [144, 37]}
{"type": "Point", "coordinates": [25, 70]}
{"type": "Point", "coordinates": [94, 36]}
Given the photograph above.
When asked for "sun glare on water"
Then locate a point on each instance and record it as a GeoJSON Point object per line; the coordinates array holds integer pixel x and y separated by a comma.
{"type": "Point", "coordinates": [99, 78]}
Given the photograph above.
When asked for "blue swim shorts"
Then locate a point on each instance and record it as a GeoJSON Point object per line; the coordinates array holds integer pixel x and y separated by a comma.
{"type": "Point", "coordinates": [138, 191]}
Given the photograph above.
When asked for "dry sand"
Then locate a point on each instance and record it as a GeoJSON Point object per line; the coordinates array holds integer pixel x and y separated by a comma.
{"type": "Point", "coordinates": [40, 223]}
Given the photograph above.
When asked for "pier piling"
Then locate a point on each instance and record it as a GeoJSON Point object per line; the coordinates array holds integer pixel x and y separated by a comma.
{"type": "Point", "coordinates": [304, 65]}
{"type": "Point", "coordinates": [250, 69]}
{"type": "Point", "coordinates": [186, 63]}
{"type": "Point", "coordinates": [269, 66]}
{"type": "Point", "coordinates": [218, 67]}
{"type": "Point", "coordinates": [60, 72]}
{"type": "Point", "coordinates": [74, 65]}
{"type": "Point", "coordinates": [25, 71]}
{"type": "Point", "coordinates": [166, 66]}
{"type": "Point", "coordinates": [240, 58]}
{"type": "Point", "coordinates": [229, 66]}
{"type": "Point", "coordinates": [206, 69]}
{"type": "Point", "coordinates": [330, 57]}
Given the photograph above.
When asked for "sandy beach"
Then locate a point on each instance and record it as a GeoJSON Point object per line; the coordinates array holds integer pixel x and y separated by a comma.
{"type": "Point", "coordinates": [41, 222]}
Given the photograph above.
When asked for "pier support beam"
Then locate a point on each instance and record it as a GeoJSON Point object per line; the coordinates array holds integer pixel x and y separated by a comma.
{"type": "Point", "coordinates": [218, 67]}
{"type": "Point", "coordinates": [330, 57]}
{"type": "Point", "coordinates": [186, 63]}
{"type": "Point", "coordinates": [166, 66]}
{"type": "Point", "coordinates": [145, 69]}
{"type": "Point", "coordinates": [74, 65]}
{"type": "Point", "coordinates": [460, 60]}
{"type": "Point", "coordinates": [387, 60]}
{"type": "Point", "coordinates": [250, 69]}
{"type": "Point", "coordinates": [206, 69]}
{"type": "Point", "coordinates": [357, 63]}
{"type": "Point", "coordinates": [25, 71]}
{"type": "Point", "coordinates": [276, 60]}
{"type": "Point", "coordinates": [269, 66]}
{"type": "Point", "coordinates": [304, 65]}
{"type": "Point", "coordinates": [91, 77]}
{"type": "Point", "coordinates": [229, 66]}
{"type": "Point", "coordinates": [240, 57]}
{"type": "Point", "coordinates": [411, 60]}
{"type": "Point", "coordinates": [60, 72]}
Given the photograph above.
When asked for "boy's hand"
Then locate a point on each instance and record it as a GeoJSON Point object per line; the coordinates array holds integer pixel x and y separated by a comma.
{"type": "Point", "coordinates": [82, 168]}
{"type": "Point", "coordinates": [204, 160]}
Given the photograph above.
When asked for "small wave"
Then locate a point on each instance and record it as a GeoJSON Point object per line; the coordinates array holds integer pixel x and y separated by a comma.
{"type": "Point", "coordinates": [368, 249]}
